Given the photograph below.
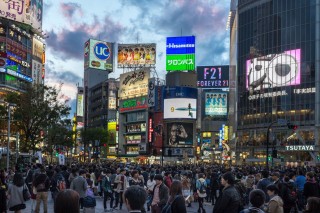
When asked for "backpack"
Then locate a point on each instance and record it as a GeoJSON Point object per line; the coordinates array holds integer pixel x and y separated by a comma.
{"type": "Point", "coordinates": [202, 189]}
{"type": "Point", "coordinates": [167, 207]}
{"type": "Point", "coordinates": [61, 184]}
{"type": "Point", "coordinates": [292, 195]}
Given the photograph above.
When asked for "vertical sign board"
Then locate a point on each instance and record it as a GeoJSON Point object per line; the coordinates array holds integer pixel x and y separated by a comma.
{"type": "Point", "coordinates": [151, 92]}
{"type": "Point", "coordinates": [80, 105]}
{"type": "Point", "coordinates": [180, 53]}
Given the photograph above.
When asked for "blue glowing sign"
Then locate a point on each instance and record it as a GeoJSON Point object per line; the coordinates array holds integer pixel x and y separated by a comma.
{"type": "Point", "coordinates": [181, 45]}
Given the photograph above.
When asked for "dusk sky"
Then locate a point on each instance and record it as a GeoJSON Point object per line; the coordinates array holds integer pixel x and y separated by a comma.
{"type": "Point", "coordinates": [70, 23]}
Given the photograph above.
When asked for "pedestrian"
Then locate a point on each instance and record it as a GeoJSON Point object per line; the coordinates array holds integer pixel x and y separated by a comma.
{"type": "Point", "coordinates": [311, 187]}
{"type": "Point", "coordinates": [176, 200]}
{"type": "Point", "coordinates": [80, 185]}
{"type": "Point", "coordinates": [299, 183]}
{"type": "Point", "coordinates": [167, 179]}
{"type": "Point", "coordinates": [41, 184]}
{"type": "Point", "coordinates": [229, 200]}
{"type": "Point", "coordinates": [186, 188]}
{"type": "Point", "coordinates": [313, 205]}
{"type": "Point", "coordinates": [67, 201]}
{"type": "Point", "coordinates": [263, 183]}
{"type": "Point", "coordinates": [16, 201]}
{"type": "Point", "coordinates": [160, 195]}
{"type": "Point", "coordinates": [89, 202]}
{"type": "Point", "coordinates": [56, 178]}
{"type": "Point", "coordinates": [134, 198]}
{"type": "Point", "coordinates": [150, 185]}
{"type": "Point", "coordinates": [121, 182]}
{"type": "Point", "coordinates": [275, 204]}
{"type": "Point", "coordinates": [256, 199]}
{"type": "Point", "coordinates": [107, 189]}
{"type": "Point", "coordinates": [135, 180]}
{"type": "Point", "coordinates": [201, 186]}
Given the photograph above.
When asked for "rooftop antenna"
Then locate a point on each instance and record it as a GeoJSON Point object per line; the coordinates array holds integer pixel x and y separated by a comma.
{"type": "Point", "coordinates": [181, 31]}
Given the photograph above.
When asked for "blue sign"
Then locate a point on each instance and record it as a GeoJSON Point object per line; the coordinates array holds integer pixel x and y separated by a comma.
{"type": "Point", "coordinates": [181, 45]}
{"type": "Point", "coordinates": [180, 92]}
{"type": "Point", "coordinates": [102, 51]}
{"type": "Point", "coordinates": [16, 74]}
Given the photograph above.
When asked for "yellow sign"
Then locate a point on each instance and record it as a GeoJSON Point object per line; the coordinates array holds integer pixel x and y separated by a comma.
{"type": "Point", "coordinates": [226, 133]}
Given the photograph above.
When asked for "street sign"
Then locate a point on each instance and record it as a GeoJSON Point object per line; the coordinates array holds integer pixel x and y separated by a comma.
{"type": "Point", "coordinates": [282, 121]}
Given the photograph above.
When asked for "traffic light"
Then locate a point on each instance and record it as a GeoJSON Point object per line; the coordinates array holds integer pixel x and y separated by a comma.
{"type": "Point", "coordinates": [57, 154]}
{"type": "Point", "coordinates": [291, 126]}
{"type": "Point", "coordinates": [274, 153]}
{"type": "Point", "coordinates": [269, 158]}
{"type": "Point", "coordinates": [318, 157]}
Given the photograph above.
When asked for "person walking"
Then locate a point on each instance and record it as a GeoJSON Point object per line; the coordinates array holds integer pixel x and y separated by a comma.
{"type": "Point", "coordinates": [275, 204]}
{"type": "Point", "coordinates": [229, 200]}
{"type": "Point", "coordinates": [176, 200]}
{"type": "Point", "coordinates": [201, 186]}
{"type": "Point", "coordinates": [67, 198]}
{"type": "Point", "coordinates": [311, 187]}
{"type": "Point", "coordinates": [16, 201]}
{"type": "Point", "coordinates": [41, 184]}
{"type": "Point", "coordinates": [107, 189]}
{"type": "Point", "coordinates": [121, 181]}
{"type": "Point", "coordinates": [80, 185]}
{"type": "Point", "coordinates": [160, 195]}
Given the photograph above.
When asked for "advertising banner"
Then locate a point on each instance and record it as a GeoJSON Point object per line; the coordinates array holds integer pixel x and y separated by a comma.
{"type": "Point", "coordinates": [213, 77]}
{"type": "Point", "coordinates": [180, 53]}
{"type": "Point", "coordinates": [80, 105]}
{"type": "Point", "coordinates": [180, 92]}
{"type": "Point", "coordinates": [136, 55]}
{"type": "Point", "coordinates": [112, 132]}
{"type": "Point", "coordinates": [158, 104]}
{"type": "Point", "coordinates": [179, 152]}
{"type": "Point", "coordinates": [180, 133]}
{"type": "Point", "coordinates": [112, 103]}
{"type": "Point", "coordinates": [98, 55]}
{"type": "Point", "coordinates": [180, 108]}
{"type": "Point", "coordinates": [151, 92]}
{"type": "Point", "coordinates": [274, 70]}
{"type": "Point", "coordinates": [133, 104]}
{"type": "Point", "coordinates": [216, 103]}
{"type": "Point", "coordinates": [24, 11]}
{"type": "Point", "coordinates": [37, 49]}
{"type": "Point", "coordinates": [180, 62]}
{"type": "Point", "coordinates": [36, 72]}
{"type": "Point", "coordinates": [134, 83]}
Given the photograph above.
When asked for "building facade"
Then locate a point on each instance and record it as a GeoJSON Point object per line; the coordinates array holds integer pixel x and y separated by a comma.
{"type": "Point", "coordinates": [278, 61]}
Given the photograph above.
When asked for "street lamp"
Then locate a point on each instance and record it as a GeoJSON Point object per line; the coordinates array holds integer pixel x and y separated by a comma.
{"type": "Point", "coordinates": [9, 122]}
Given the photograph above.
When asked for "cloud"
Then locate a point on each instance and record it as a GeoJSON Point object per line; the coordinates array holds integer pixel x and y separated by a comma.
{"type": "Point", "coordinates": [68, 43]}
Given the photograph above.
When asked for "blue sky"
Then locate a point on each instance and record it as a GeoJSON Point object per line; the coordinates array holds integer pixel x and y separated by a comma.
{"type": "Point", "coordinates": [70, 23]}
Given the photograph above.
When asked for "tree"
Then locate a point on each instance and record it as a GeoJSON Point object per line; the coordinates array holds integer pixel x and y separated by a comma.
{"type": "Point", "coordinates": [36, 109]}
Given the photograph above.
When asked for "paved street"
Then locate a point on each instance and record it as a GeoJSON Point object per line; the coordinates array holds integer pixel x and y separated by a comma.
{"type": "Point", "coordinates": [99, 207]}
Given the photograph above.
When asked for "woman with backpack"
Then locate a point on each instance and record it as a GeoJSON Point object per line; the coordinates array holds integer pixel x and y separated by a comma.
{"type": "Point", "coordinates": [176, 202]}
{"type": "Point", "coordinates": [201, 186]}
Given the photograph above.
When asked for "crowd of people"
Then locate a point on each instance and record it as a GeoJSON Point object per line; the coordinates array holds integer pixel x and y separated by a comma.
{"type": "Point", "coordinates": [161, 189]}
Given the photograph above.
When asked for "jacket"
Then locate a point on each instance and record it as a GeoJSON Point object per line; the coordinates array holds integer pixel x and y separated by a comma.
{"type": "Point", "coordinates": [311, 189]}
{"type": "Point", "coordinates": [121, 187]}
{"type": "Point", "coordinates": [163, 194]}
{"type": "Point", "coordinates": [275, 205]}
{"type": "Point", "coordinates": [229, 201]}
{"type": "Point", "coordinates": [106, 184]}
{"type": "Point", "coordinates": [179, 205]}
{"type": "Point", "coordinates": [41, 183]}
{"type": "Point", "coordinates": [80, 185]}
{"type": "Point", "coordinates": [15, 194]}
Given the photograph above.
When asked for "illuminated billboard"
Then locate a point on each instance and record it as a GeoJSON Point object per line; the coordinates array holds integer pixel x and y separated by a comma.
{"type": "Point", "coordinates": [213, 77]}
{"type": "Point", "coordinates": [274, 70]}
{"type": "Point", "coordinates": [38, 49]}
{"type": "Point", "coordinates": [180, 133]}
{"type": "Point", "coordinates": [37, 72]}
{"type": "Point", "coordinates": [133, 104]}
{"type": "Point", "coordinates": [98, 55]}
{"type": "Point", "coordinates": [80, 105]}
{"type": "Point", "coordinates": [134, 83]}
{"type": "Point", "coordinates": [180, 108]}
{"type": "Point", "coordinates": [216, 104]}
{"type": "Point", "coordinates": [112, 103]}
{"type": "Point", "coordinates": [136, 55]}
{"type": "Point", "coordinates": [24, 11]}
{"type": "Point", "coordinates": [180, 53]}
{"type": "Point", "coordinates": [112, 132]}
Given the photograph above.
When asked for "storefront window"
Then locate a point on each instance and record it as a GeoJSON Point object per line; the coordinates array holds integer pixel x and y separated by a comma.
{"type": "Point", "coordinates": [132, 150]}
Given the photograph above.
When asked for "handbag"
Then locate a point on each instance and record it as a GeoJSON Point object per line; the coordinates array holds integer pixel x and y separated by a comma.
{"type": "Point", "coordinates": [17, 207]}
{"type": "Point", "coordinates": [26, 193]}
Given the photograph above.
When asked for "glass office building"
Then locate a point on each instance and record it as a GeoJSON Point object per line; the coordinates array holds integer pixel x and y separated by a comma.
{"type": "Point", "coordinates": [277, 77]}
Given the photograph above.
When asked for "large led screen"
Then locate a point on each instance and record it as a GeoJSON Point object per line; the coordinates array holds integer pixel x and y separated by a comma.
{"type": "Point", "coordinates": [216, 103]}
{"type": "Point", "coordinates": [136, 55]}
{"type": "Point", "coordinates": [180, 108]}
{"type": "Point", "coordinates": [274, 70]}
{"type": "Point", "coordinates": [180, 133]}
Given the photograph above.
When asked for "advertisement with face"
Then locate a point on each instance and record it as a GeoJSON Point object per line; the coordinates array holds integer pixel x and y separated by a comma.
{"type": "Point", "coordinates": [180, 108]}
{"type": "Point", "coordinates": [216, 103]}
{"type": "Point", "coordinates": [98, 55]}
{"type": "Point", "coordinates": [37, 49]}
{"type": "Point", "coordinates": [134, 83]}
{"type": "Point", "coordinates": [136, 55]}
{"type": "Point", "coordinates": [213, 77]}
{"type": "Point", "coordinates": [274, 70]}
{"type": "Point", "coordinates": [180, 133]}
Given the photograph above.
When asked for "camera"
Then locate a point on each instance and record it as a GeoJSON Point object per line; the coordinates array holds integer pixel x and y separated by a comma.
{"type": "Point", "coordinates": [274, 70]}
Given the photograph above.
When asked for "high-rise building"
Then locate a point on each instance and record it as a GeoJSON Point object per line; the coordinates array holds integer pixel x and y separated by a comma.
{"type": "Point", "coordinates": [275, 55]}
